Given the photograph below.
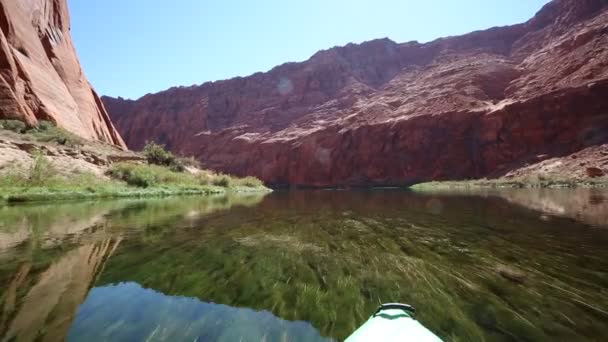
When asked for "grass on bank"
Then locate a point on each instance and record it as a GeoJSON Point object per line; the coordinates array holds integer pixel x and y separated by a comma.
{"type": "Point", "coordinates": [167, 168]}
{"type": "Point", "coordinates": [45, 132]}
{"type": "Point", "coordinates": [42, 181]}
{"type": "Point", "coordinates": [147, 176]}
{"type": "Point", "coordinates": [538, 181]}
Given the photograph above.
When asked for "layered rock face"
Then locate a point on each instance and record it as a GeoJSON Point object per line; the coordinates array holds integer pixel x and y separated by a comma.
{"type": "Point", "coordinates": [40, 76]}
{"type": "Point", "coordinates": [383, 113]}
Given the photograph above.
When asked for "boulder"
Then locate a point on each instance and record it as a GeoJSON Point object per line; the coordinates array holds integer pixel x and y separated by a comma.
{"type": "Point", "coordinates": [594, 172]}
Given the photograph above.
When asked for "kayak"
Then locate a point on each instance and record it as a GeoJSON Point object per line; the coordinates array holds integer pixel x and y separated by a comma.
{"type": "Point", "coordinates": [393, 322]}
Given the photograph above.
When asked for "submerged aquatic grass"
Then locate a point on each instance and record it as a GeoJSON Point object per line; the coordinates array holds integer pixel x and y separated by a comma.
{"type": "Point", "coordinates": [476, 268]}
{"type": "Point", "coordinates": [333, 267]}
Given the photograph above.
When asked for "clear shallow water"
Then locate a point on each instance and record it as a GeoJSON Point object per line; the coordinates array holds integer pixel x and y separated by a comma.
{"type": "Point", "coordinates": [167, 317]}
{"type": "Point", "coordinates": [517, 265]}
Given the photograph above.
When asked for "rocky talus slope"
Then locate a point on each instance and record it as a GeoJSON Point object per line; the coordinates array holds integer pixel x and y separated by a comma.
{"type": "Point", "coordinates": [40, 76]}
{"type": "Point", "coordinates": [382, 113]}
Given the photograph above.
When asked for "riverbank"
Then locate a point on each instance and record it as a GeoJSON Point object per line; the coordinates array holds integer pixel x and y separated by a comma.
{"type": "Point", "coordinates": [522, 183]}
{"type": "Point", "coordinates": [123, 180]}
{"type": "Point", "coordinates": [587, 168]}
{"type": "Point", "coordinates": [49, 164]}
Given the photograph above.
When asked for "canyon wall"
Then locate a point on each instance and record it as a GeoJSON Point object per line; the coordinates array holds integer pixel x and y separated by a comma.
{"type": "Point", "coordinates": [383, 113]}
{"type": "Point", "coordinates": [40, 76]}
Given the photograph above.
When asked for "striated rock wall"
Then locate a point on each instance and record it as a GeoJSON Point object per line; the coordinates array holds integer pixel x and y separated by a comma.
{"type": "Point", "coordinates": [40, 76]}
{"type": "Point", "coordinates": [383, 113]}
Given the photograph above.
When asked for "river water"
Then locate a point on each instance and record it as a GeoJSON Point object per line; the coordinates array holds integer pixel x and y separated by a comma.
{"type": "Point", "coordinates": [513, 265]}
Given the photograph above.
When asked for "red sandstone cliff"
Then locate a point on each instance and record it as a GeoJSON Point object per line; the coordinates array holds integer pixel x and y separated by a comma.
{"type": "Point", "coordinates": [384, 113]}
{"type": "Point", "coordinates": [40, 76]}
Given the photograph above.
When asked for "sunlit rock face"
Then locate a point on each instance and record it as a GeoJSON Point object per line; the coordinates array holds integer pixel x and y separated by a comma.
{"type": "Point", "coordinates": [40, 76]}
{"type": "Point", "coordinates": [383, 113]}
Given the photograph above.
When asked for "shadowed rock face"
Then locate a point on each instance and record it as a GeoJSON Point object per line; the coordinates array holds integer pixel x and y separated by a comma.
{"type": "Point", "coordinates": [383, 113]}
{"type": "Point", "coordinates": [40, 76]}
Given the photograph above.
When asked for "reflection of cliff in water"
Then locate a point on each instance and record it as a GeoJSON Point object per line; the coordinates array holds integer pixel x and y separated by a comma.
{"type": "Point", "coordinates": [585, 205]}
{"type": "Point", "coordinates": [45, 223]}
{"type": "Point", "coordinates": [48, 224]}
{"type": "Point", "coordinates": [54, 295]}
{"type": "Point", "coordinates": [52, 254]}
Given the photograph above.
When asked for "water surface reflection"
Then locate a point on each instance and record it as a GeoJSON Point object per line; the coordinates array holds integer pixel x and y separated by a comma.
{"type": "Point", "coordinates": [147, 315]}
{"type": "Point", "coordinates": [308, 265]}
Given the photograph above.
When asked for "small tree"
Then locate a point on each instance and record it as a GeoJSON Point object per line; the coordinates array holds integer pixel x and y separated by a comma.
{"type": "Point", "coordinates": [157, 155]}
{"type": "Point", "coordinates": [42, 170]}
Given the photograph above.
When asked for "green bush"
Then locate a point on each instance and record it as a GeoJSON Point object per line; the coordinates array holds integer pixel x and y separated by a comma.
{"type": "Point", "coordinates": [13, 125]}
{"type": "Point", "coordinates": [250, 182]}
{"type": "Point", "coordinates": [157, 155]}
{"type": "Point", "coordinates": [150, 175]}
{"type": "Point", "coordinates": [45, 126]}
{"type": "Point", "coordinates": [222, 180]}
{"type": "Point", "coordinates": [177, 167]}
{"type": "Point", "coordinates": [132, 174]}
{"type": "Point", "coordinates": [42, 171]}
{"type": "Point", "coordinates": [205, 177]}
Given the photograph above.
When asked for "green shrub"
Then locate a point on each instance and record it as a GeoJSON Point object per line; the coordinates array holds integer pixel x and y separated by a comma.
{"type": "Point", "coordinates": [222, 180]}
{"type": "Point", "coordinates": [205, 177]}
{"type": "Point", "coordinates": [177, 167]}
{"type": "Point", "coordinates": [150, 175]}
{"type": "Point", "coordinates": [42, 171]}
{"type": "Point", "coordinates": [45, 126]}
{"type": "Point", "coordinates": [155, 175]}
{"type": "Point", "coordinates": [250, 182]}
{"type": "Point", "coordinates": [12, 178]}
{"type": "Point", "coordinates": [227, 181]}
{"type": "Point", "coordinates": [13, 125]}
{"type": "Point", "coordinates": [132, 174]}
{"type": "Point", "coordinates": [157, 155]}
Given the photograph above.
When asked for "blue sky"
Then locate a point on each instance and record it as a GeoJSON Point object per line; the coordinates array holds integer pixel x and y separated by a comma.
{"type": "Point", "coordinates": [132, 47]}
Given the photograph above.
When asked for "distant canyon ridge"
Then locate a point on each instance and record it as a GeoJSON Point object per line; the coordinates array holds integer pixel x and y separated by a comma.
{"type": "Point", "coordinates": [382, 113]}
{"type": "Point", "coordinates": [378, 113]}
